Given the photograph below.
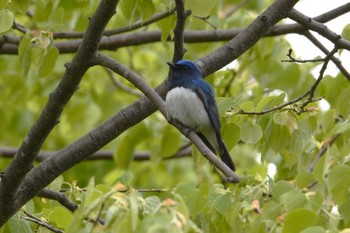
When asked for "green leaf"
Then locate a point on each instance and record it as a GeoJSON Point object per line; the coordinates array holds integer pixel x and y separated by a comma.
{"type": "Point", "coordinates": [16, 224]}
{"type": "Point", "coordinates": [49, 61]}
{"type": "Point", "coordinates": [61, 216]}
{"type": "Point", "coordinates": [315, 229]}
{"type": "Point", "coordinates": [251, 133]}
{"type": "Point", "coordinates": [224, 103]}
{"type": "Point", "coordinates": [293, 200]}
{"type": "Point", "coordinates": [6, 20]}
{"type": "Point", "coordinates": [338, 184]}
{"type": "Point", "coordinates": [125, 150]}
{"type": "Point", "coordinates": [167, 27]}
{"type": "Point", "coordinates": [281, 118]}
{"type": "Point", "coordinates": [146, 9]}
{"type": "Point", "coordinates": [231, 135]}
{"type": "Point", "coordinates": [315, 201]}
{"type": "Point", "coordinates": [21, 5]}
{"type": "Point", "coordinates": [344, 211]}
{"type": "Point", "coordinates": [189, 193]}
{"type": "Point", "coordinates": [279, 188]}
{"type": "Point", "coordinates": [200, 7]}
{"type": "Point", "coordinates": [24, 54]}
{"type": "Point", "coordinates": [152, 202]}
{"type": "Point", "coordinates": [320, 169]}
{"type": "Point", "coordinates": [298, 220]}
{"type": "Point", "coordinates": [171, 141]}
{"type": "Point", "coordinates": [278, 136]}
{"type": "Point", "coordinates": [304, 179]}
{"type": "Point", "coordinates": [128, 8]}
{"type": "Point", "coordinates": [346, 32]}
{"type": "Point", "coordinates": [343, 102]}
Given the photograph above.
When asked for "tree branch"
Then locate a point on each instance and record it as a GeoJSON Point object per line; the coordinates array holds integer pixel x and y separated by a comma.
{"type": "Point", "coordinates": [110, 32]}
{"type": "Point", "coordinates": [49, 169]}
{"type": "Point", "coordinates": [247, 38]}
{"type": "Point", "coordinates": [323, 150]}
{"type": "Point", "coordinates": [23, 160]}
{"type": "Point", "coordinates": [319, 28]}
{"type": "Point", "coordinates": [181, 14]}
{"type": "Point", "coordinates": [57, 196]}
{"type": "Point", "coordinates": [335, 60]}
{"type": "Point", "coordinates": [190, 36]}
{"type": "Point", "coordinates": [40, 222]}
{"type": "Point", "coordinates": [309, 94]}
{"type": "Point", "coordinates": [9, 152]}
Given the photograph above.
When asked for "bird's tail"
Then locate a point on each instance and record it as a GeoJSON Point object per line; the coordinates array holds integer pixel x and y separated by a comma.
{"type": "Point", "coordinates": [223, 152]}
{"type": "Point", "coordinates": [226, 157]}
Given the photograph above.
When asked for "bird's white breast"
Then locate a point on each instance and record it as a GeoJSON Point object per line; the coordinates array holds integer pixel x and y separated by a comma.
{"type": "Point", "coordinates": [185, 106]}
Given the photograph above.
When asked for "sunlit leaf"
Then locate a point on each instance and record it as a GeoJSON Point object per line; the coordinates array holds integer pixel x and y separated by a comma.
{"type": "Point", "coordinates": [61, 216]}
{"type": "Point", "coordinates": [316, 229]}
{"type": "Point", "coordinates": [171, 140]}
{"type": "Point", "coordinates": [6, 20]}
{"type": "Point", "coordinates": [298, 220]}
{"type": "Point", "coordinates": [200, 7]}
{"type": "Point", "coordinates": [339, 187]}
{"type": "Point", "coordinates": [293, 200]}
{"type": "Point", "coordinates": [251, 133]}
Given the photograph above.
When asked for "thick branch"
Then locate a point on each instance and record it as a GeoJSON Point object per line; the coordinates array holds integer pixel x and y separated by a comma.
{"type": "Point", "coordinates": [49, 169]}
{"type": "Point", "coordinates": [247, 38]}
{"type": "Point", "coordinates": [335, 60]}
{"type": "Point", "coordinates": [181, 14]}
{"type": "Point", "coordinates": [58, 196]}
{"type": "Point", "coordinates": [23, 160]}
{"type": "Point", "coordinates": [158, 101]}
{"type": "Point", "coordinates": [319, 28]}
{"type": "Point", "coordinates": [9, 152]}
{"type": "Point", "coordinates": [190, 36]}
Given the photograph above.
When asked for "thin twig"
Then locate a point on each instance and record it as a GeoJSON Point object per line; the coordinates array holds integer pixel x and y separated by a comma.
{"type": "Point", "coordinates": [292, 59]}
{"type": "Point", "coordinates": [121, 85]}
{"type": "Point", "coordinates": [335, 60]}
{"type": "Point", "coordinates": [40, 222]}
{"type": "Point", "coordinates": [115, 31]}
{"type": "Point", "coordinates": [309, 94]}
{"type": "Point", "coordinates": [319, 28]}
{"type": "Point", "coordinates": [205, 19]}
{"type": "Point", "coordinates": [323, 150]}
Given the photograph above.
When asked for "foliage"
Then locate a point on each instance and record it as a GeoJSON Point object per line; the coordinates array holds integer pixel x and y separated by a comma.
{"type": "Point", "coordinates": [166, 194]}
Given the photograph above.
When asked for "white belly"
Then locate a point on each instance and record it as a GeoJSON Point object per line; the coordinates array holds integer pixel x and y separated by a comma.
{"type": "Point", "coordinates": [185, 106]}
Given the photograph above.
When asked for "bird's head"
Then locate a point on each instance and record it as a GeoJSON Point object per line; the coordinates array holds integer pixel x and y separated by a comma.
{"type": "Point", "coordinates": [185, 67]}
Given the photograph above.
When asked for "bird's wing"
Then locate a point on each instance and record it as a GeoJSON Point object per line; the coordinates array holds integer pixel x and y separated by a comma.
{"type": "Point", "coordinates": [206, 94]}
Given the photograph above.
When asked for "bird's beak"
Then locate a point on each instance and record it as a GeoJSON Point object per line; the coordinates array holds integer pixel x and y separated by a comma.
{"type": "Point", "coordinates": [173, 66]}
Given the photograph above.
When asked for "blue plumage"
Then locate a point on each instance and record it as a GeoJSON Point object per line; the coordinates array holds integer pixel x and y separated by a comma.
{"type": "Point", "coordinates": [191, 101]}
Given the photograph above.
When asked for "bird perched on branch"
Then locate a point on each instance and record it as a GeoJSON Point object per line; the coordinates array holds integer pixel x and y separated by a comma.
{"type": "Point", "coordinates": [191, 102]}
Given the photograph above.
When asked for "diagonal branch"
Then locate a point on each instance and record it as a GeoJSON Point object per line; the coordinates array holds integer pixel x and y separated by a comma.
{"type": "Point", "coordinates": [158, 101]}
{"type": "Point", "coordinates": [309, 94]}
{"type": "Point", "coordinates": [319, 28]}
{"type": "Point", "coordinates": [9, 44]}
{"type": "Point", "coordinates": [335, 60]}
{"type": "Point", "coordinates": [136, 112]}
{"type": "Point", "coordinates": [58, 196]}
{"type": "Point", "coordinates": [23, 160]}
{"type": "Point", "coordinates": [247, 38]}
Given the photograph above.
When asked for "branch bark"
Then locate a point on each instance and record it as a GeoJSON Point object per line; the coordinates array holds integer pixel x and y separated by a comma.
{"type": "Point", "coordinates": [39, 177]}
{"type": "Point", "coordinates": [23, 160]}
{"type": "Point", "coordinates": [10, 43]}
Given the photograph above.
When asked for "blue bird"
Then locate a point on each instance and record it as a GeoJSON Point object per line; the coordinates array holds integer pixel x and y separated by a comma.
{"type": "Point", "coordinates": [190, 101]}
